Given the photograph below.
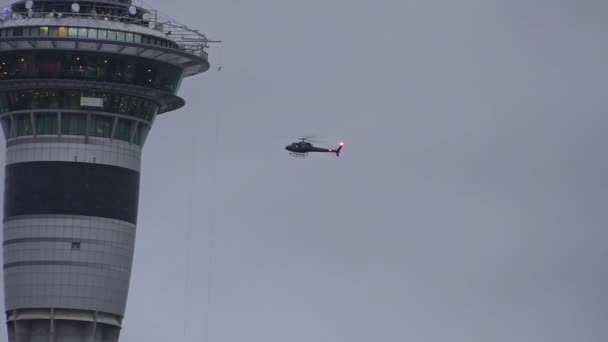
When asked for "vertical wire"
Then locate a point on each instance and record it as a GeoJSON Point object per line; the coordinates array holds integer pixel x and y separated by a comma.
{"type": "Point", "coordinates": [212, 225]}
{"type": "Point", "coordinates": [188, 285]}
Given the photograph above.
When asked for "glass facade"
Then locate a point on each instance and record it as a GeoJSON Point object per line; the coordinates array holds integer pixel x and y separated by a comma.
{"type": "Point", "coordinates": [83, 32]}
{"type": "Point", "coordinates": [90, 66]}
{"type": "Point", "coordinates": [75, 124]}
{"type": "Point", "coordinates": [73, 99]}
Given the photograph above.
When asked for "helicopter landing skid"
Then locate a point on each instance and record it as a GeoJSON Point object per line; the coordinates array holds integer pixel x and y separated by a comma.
{"type": "Point", "coordinates": [299, 155]}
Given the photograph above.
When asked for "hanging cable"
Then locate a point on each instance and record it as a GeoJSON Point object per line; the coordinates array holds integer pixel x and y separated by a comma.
{"type": "Point", "coordinates": [212, 226]}
{"type": "Point", "coordinates": [211, 223]}
{"type": "Point", "coordinates": [187, 284]}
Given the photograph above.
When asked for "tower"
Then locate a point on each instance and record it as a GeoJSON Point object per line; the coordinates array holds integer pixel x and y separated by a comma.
{"type": "Point", "coordinates": [80, 85]}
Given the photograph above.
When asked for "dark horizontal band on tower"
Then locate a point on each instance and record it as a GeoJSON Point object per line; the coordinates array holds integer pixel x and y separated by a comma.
{"type": "Point", "coordinates": [61, 239]}
{"type": "Point", "coordinates": [65, 263]}
{"type": "Point", "coordinates": [71, 188]}
{"type": "Point", "coordinates": [52, 239]}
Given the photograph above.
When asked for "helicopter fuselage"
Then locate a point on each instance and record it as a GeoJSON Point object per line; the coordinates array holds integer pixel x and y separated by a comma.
{"type": "Point", "coordinates": [305, 148]}
{"type": "Point", "coordinates": [301, 149]}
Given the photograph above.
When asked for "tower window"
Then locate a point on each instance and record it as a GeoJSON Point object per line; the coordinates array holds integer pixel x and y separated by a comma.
{"type": "Point", "coordinates": [101, 126]}
{"type": "Point", "coordinates": [46, 123]}
{"type": "Point", "coordinates": [75, 246]}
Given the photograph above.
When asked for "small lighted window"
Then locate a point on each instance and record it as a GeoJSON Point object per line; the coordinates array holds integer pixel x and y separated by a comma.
{"type": "Point", "coordinates": [44, 30]}
{"type": "Point", "coordinates": [63, 31]}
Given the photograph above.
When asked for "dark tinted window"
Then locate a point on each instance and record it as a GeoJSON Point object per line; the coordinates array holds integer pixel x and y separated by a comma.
{"type": "Point", "coordinates": [101, 126]}
{"type": "Point", "coordinates": [46, 123]}
{"type": "Point", "coordinates": [139, 134]}
{"type": "Point", "coordinates": [123, 130]}
{"type": "Point", "coordinates": [24, 125]}
{"type": "Point", "coordinates": [73, 124]}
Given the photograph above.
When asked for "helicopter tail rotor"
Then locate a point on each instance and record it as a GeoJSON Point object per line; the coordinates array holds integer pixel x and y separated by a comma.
{"type": "Point", "coordinates": [339, 148]}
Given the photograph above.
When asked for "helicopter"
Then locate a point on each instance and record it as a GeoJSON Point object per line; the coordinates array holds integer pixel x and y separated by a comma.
{"type": "Point", "coordinates": [304, 146]}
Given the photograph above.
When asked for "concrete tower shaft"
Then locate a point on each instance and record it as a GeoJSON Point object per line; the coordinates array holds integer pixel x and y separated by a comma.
{"type": "Point", "coordinates": [80, 87]}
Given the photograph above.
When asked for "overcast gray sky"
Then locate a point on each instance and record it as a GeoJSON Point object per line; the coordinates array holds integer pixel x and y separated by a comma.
{"type": "Point", "coordinates": [469, 203]}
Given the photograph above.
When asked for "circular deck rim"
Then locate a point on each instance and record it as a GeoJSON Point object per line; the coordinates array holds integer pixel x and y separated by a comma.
{"type": "Point", "coordinates": [191, 64]}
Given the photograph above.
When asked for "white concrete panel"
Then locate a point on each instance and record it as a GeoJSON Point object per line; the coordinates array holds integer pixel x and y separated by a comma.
{"type": "Point", "coordinates": [115, 153]}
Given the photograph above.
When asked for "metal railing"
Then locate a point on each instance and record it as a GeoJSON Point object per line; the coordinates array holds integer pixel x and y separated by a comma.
{"type": "Point", "coordinates": [188, 39]}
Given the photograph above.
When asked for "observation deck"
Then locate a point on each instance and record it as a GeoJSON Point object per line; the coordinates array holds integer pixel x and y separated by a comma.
{"type": "Point", "coordinates": [130, 58]}
{"type": "Point", "coordinates": [156, 28]}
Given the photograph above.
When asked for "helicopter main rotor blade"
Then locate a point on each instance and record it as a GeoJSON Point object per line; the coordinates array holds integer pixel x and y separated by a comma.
{"type": "Point", "coordinates": [310, 138]}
